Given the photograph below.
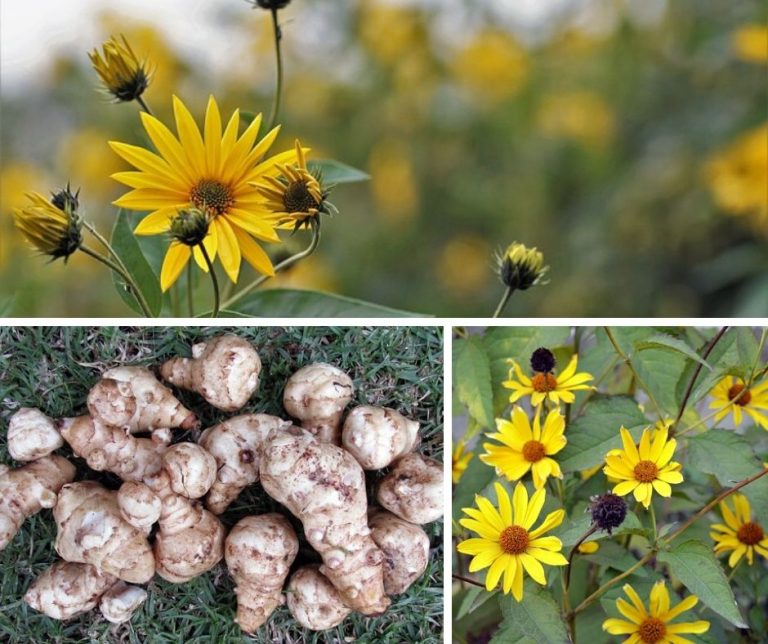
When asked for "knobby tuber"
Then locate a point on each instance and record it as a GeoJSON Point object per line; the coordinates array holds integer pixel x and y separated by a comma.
{"type": "Point", "coordinates": [139, 505]}
{"type": "Point", "coordinates": [26, 490]}
{"type": "Point", "coordinates": [121, 601]}
{"type": "Point", "coordinates": [32, 435]}
{"type": "Point", "coordinates": [405, 547]}
{"type": "Point", "coordinates": [224, 370]}
{"type": "Point", "coordinates": [190, 540]}
{"type": "Point", "coordinates": [236, 445]}
{"type": "Point", "coordinates": [191, 469]}
{"type": "Point", "coordinates": [377, 436]}
{"type": "Point", "coordinates": [259, 552]}
{"type": "Point", "coordinates": [91, 530]}
{"type": "Point", "coordinates": [133, 399]}
{"type": "Point", "coordinates": [413, 490]}
{"type": "Point", "coordinates": [317, 395]}
{"type": "Point", "coordinates": [67, 589]}
{"type": "Point", "coordinates": [324, 486]}
{"type": "Point", "coordinates": [313, 600]}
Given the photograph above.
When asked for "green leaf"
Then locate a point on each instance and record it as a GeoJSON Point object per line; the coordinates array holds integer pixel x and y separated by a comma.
{"type": "Point", "coordinates": [6, 306]}
{"type": "Point", "coordinates": [469, 603]}
{"type": "Point", "coordinates": [295, 303]}
{"type": "Point", "coordinates": [596, 432]}
{"type": "Point", "coordinates": [475, 479]}
{"type": "Point", "coordinates": [518, 343]}
{"type": "Point", "coordinates": [535, 619]}
{"type": "Point", "coordinates": [723, 359]}
{"type": "Point", "coordinates": [126, 246]}
{"type": "Point", "coordinates": [668, 343]}
{"type": "Point", "coordinates": [337, 172]}
{"type": "Point", "coordinates": [472, 378]}
{"type": "Point", "coordinates": [694, 564]}
{"type": "Point", "coordinates": [746, 344]}
{"type": "Point", "coordinates": [730, 459]}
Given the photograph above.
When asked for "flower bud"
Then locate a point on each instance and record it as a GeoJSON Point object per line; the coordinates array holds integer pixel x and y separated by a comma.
{"type": "Point", "coordinates": [542, 360]}
{"type": "Point", "coordinates": [52, 227]}
{"type": "Point", "coordinates": [608, 511]}
{"type": "Point", "coordinates": [520, 267]}
{"type": "Point", "coordinates": [120, 70]}
{"type": "Point", "coordinates": [190, 226]}
{"type": "Point", "coordinates": [270, 4]}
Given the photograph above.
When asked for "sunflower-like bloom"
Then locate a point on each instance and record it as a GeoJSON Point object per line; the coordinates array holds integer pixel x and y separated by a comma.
{"type": "Point", "coordinates": [520, 267]}
{"type": "Point", "coordinates": [52, 227]}
{"type": "Point", "coordinates": [547, 385]}
{"type": "Point", "coordinates": [653, 626]}
{"type": "Point", "coordinates": [731, 395]}
{"type": "Point", "coordinates": [211, 172]}
{"type": "Point", "coordinates": [526, 447]}
{"type": "Point", "coordinates": [645, 468]}
{"type": "Point", "coordinates": [741, 534]}
{"type": "Point", "coordinates": [123, 75]}
{"type": "Point", "coordinates": [296, 196]}
{"type": "Point", "coordinates": [507, 543]}
{"type": "Point", "coordinates": [460, 460]}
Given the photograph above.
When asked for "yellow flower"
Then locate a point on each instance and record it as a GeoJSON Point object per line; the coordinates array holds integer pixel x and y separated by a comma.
{"type": "Point", "coordinates": [295, 197]}
{"type": "Point", "coordinates": [741, 534]}
{"type": "Point", "coordinates": [653, 626]}
{"type": "Point", "coordinates": [645, 469]}
{"type": "Point", "coordinates": [589, 548]}
{"type": "Point", "coordinates": [462, 266]}
{"type": "Point", "coordinates": [507, 543]}
{"type": "Point", "coordinates": [547, 385]}
{"type": "Point", "coordinates": [751, 43]}
{"type": "Point", "coordinates": [736, 176]}
{"type": "Point", "coordinates": [52, 227]}
{"type": "Point", "coordinates": [213, 173]}
{"type": "Point", "coordinates": [526, 448]}
{"type": "Point", "coordinates": [520, 267]}
{"type": "Point", "coordinates": [120, 70]}
{"type": "Point", "coordinates": [729, 395]}
{"type": "Point", "coordinates": [393, 180]}
{"type": "Point", "coordinates": [460, 460]}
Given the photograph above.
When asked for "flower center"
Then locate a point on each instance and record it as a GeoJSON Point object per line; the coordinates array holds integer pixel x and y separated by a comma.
{"type": "Point", "coordinates": [743, 399]}
{"type": "Point", "coordinates": [750, 533]}
{"type": "Point", "coordinates": [533, 451]}
{"type": "Point", "coordinates": [652, 630]}
{"type": "Point", "coordinates": [645, 472]}
{"type": "Point", "coordinates": [297, 198]}
{"type": "Point", "coordinates": [544, 382]}
{"type": "Point", "coordinates": [213, 196]}
{"type": "Point", "coordinates": [514, 540]}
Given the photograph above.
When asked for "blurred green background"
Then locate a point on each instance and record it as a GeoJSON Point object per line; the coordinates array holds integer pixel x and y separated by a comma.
{"type": "Point", "coordinates": [626, 139]}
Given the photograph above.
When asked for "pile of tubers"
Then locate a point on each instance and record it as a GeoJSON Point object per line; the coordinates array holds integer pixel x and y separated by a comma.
{"type": "Point", "coordinates": [164, 517]}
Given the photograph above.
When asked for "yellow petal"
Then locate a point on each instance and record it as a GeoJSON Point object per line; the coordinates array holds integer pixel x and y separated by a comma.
{"type": "Point", "coordinates": [175, 260]}
{"type": "Point", "coordinates": [254, 254]}
{"type": "Point", "coordinates": [212, 137]}
{"type": "Point", "coordinates": [169, 147]}
{"type": "Point", "coordinates": [190, 138]}
{"type": "Point", "coordinates": [533, 568]}
{"type": "Point", "coordinates": [229, 249]}
{"type": "Point", "coordinates": [520, 503]}
{"type": "Point", "coordinates": [155, 223]}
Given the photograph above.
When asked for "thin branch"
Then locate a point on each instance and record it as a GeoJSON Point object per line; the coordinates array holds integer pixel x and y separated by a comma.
{"type": "Point", "coordinates": [468, 580]}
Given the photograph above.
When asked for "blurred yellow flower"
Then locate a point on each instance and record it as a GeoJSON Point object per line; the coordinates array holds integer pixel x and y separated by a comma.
{"type": "Point", "coordinates": [214, 174]}
{"type": "Point", "coordinates": [751, 43]}
{"type": "Point", "coordinates": [737, 176]}
{"type": "Point", "coordinates": [314, 272]}
{"type": "Point", "coordinates": [492, 66]}
{"type": "Point", "coordinates": [392, 176]}
{"type": "Point", "coordinates": [581, 116]}
{"type": "Point", "coordinates": [51, 229]}
{"type": "Point", "coordinates": [463, 267]}
{"type": "Point", "coordinates": [460, 460]}
{"type": "Point", "coordinates": [89, 161]}
{"type": "Point", "coordinates": [123, 74]}
{"type": "Point", "coordinates": [391, 34]}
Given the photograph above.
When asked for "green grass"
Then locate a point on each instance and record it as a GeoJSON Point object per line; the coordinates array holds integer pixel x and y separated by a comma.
{"type": "Point", "coordinates": [53, 369]}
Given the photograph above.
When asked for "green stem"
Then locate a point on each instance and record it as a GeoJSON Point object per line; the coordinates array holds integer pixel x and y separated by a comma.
{"type": "Point", "coordinates": [754, 369]}
{"type": "Point", "coordinates": [128, 280]}
{"type": "Point", "coordinates": [190, 302]}
{"type": "Point", "coordinates": [214, 280]}
{"type": "Point", "coordinates": [144, 105]}
{"type": "Point", "coordinates": [636, 375]}
{"type": "Point", "coordinates": [467, 580]}
{"type": "Point", "coordinates": [281, 266]}
{"type": "Point", "coordinates": [653, 521]}
{"type": "Point", "coordinates": [279, 82]}
{"type": "Point", "coordinates": [503, 302]}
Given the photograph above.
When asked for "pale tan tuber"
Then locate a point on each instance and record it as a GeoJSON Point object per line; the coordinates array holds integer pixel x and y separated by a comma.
{"type": "Point", "coordinates": [68, 589]}
{"type": "Point", "coordinates": [259, 552]}
{"type": "Point", "coordinates": [313, 601]}
{"type": "Point", "coordinates": [405, 546]}
{"type": "Point", "coordinates": [131, 398]}
{"type": "Point", "coordinates": [111, 449]}
{"type": "Point", "coordinates": [91, 530]}
{"type": "Point", "coordinates": [224, 370]}
{"type": "Point", "coordinates": [32, 435]}
{"type": "Point", "coordinates": [236, 446]}
{"type": "Point", "coordinates": [139, 505]}
{"type": "Point", "coordinates": [121, 601]}
{"type": "Point", "coordinates": [26, 490]}
{"type": "Point", "coordinates": [413, 489]}
{"type": "Point", "coordinates": [317, 395]}
{"type": "Point", "coordinates": [191, 469]}
{"type": "Point", "coordinates": [324, 486]}
{"type": "Point", "coordinates": [190, 540]}
{"type": "Point", "coordinates": [377, 436]}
